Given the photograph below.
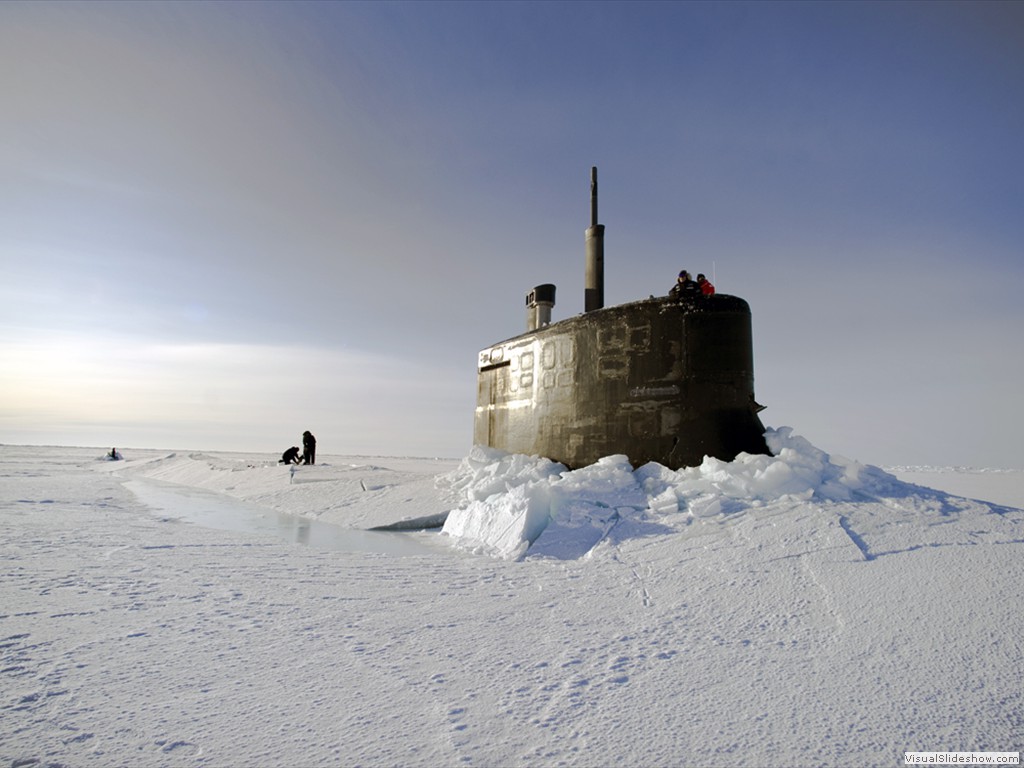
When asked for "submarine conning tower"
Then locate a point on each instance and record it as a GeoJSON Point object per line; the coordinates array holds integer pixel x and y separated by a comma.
{"type": "Point", "coordinates": [662, 379]}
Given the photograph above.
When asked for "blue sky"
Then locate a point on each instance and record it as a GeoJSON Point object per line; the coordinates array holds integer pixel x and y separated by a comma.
{"type": "Point", "coordinates": [222, 224]}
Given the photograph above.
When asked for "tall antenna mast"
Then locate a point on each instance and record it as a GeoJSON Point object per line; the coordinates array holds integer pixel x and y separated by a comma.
{"type": "Point", "coordinates": [593, 293]}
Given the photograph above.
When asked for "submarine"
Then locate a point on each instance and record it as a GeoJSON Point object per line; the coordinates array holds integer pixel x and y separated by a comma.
{"type": "Point", "coordinates": [667, 380]}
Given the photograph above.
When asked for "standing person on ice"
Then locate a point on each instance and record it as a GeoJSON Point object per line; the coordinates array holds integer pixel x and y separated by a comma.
{"type": "Point", "coordinates": [308, 448]}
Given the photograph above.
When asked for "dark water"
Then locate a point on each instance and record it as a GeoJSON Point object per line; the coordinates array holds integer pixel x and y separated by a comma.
{"type": "Point", "coordinates": [214, 510]}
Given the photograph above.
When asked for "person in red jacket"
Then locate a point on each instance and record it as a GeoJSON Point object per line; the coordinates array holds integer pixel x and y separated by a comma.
{"type": "Point", "coordinates": [705, 286]}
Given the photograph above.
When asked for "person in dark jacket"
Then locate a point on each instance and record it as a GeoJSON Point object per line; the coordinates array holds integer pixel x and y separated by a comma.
{"type": "Point", "coordinates": [291, 456]}
{"type": "Point", "coordinates": [308, 448]}
{"type": "Point", "coordinates": [684, 286]}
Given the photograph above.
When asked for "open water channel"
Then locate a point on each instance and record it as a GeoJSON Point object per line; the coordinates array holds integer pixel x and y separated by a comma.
{"type": "Point", "coordinates": [214, 510]}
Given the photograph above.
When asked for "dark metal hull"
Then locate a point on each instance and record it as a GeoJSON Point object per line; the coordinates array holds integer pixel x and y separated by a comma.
{"type": "Point", "coordinates": [657, 380]}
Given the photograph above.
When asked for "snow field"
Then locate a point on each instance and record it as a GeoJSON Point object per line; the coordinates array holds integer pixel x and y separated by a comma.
{"type": "Point", "coordinates": [720, 615]}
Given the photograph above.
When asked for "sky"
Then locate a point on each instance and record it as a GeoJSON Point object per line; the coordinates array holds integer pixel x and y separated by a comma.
{"type": "Point", "coordinates": [222, 224]}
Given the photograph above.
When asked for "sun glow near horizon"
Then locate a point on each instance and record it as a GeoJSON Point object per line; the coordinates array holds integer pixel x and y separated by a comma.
{"type": "Point", "coordinates": [98, 389]}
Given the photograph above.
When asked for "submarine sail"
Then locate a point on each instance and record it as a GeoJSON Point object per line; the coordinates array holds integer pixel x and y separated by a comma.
{"type": "Point", "coordinates": [669, 380]}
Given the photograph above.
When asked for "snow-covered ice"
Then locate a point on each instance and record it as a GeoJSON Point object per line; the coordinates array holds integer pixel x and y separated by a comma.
{"type": "Point", "coordinates": [796, 609]}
